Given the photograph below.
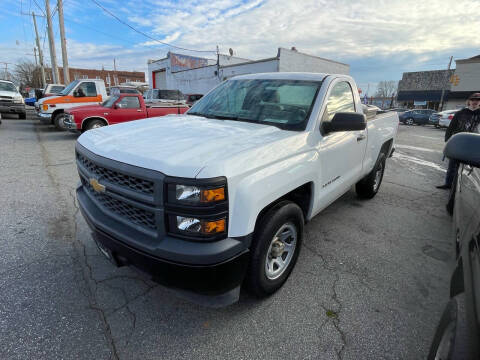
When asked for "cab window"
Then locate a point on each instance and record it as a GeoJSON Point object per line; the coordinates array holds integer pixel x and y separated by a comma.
{"type": "Point", "coordinates": [129, 102]}
{"type": "Point", "coordinates": [86, 89]}
{"type": "Point", "coordinates": [339, 100]}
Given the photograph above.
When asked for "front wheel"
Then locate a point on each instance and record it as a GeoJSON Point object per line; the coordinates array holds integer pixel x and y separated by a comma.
{"type": "Point", "coordinates": [275, 248]}
{"type": "Point", "coordinates": [368, 187]}
{"type": "Point", "coordinates": [58, 121]}
{"type": "Point", "coordinates": [409, 121]}
{"type": "Point", "coordinates": [95, 124]}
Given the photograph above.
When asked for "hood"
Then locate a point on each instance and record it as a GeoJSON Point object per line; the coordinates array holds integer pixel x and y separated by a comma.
{"type": "Point", "coordinates": [12, 94]}
{"type": "Point", "coordinates": [88, 108]}
{"type": "Point", "coordinates": [184, 145]}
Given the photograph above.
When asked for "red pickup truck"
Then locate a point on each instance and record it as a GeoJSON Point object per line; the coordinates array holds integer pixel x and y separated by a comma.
{"type": "Point", "coordinates": [117, 109]}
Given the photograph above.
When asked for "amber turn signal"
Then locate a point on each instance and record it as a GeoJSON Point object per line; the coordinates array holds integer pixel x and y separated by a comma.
{"type": "Point", "coordinates": [213, 195]}
{"type": "Point", "coordinates": [213, 227]}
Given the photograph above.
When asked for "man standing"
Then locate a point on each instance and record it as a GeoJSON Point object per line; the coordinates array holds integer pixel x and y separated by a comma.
{"type": "Point", "coordinates": [465, 120]}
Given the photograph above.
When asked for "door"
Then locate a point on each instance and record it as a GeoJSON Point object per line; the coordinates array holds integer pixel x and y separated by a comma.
{"type": "Point", "coordinates": [341, 153]}
{"type": "Point", "coordinates": [160, 79]}
{"type": "Point", "coordinates": [126, 109]}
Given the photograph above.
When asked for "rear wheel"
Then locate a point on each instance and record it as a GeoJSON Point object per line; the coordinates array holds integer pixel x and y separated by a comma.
{"type": "Point", "coordinates": [95, 124]}
{"type": "Point", "coordinates": [368, 187]}
{"type": "Point", "coordinates": [275, 248]}
{"type": "Point", "coordinates": [409, 121]}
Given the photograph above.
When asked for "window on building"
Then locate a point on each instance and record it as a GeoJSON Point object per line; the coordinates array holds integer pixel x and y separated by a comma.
{"type": "Point", "coordinates": [75, 76]}
{"type": "Point", "coordinates": [127, 80]}
{"type": "Point", "coordinates": [84, 76]}
{"type": "Point", "coordinates": [97, 77]}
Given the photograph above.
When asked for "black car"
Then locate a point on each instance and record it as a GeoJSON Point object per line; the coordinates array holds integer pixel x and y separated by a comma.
{"type": "Point", "coordinates": [458, 333]}
{"type": "Point", "coordinates": [416, 116]}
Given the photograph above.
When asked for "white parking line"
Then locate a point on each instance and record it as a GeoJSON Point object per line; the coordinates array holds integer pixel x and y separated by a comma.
{"type": "Point", "coordinates": [417, 148]}
{"type": "Point", "coordinates": [400, 156]}
{"type": "Point", "coordinates": [425, 137]}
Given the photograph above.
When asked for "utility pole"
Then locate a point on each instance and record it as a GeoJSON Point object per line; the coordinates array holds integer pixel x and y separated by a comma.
{"type": "Point", "coordinates": [115, 78]}
{"type": "Point", "coordinates": [51, 41]}
{"type": "Point", "coordinates": [40, 55]}
{"type": "Point", "coordinates": [35, 54]}
{"type": "Point", "coordinates": [66, 75]}
{"type": "Point", "coordinates": [445, 83]}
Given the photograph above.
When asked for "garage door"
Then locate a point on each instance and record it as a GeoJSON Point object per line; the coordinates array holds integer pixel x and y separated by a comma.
{"type": "Point", "coordinates": [160, 79]}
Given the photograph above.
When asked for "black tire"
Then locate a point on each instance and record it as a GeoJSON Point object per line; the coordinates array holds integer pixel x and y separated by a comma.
{"type": "Point", "coordinates": [22, 116]}
{"type": "Point", "coordinates": [368, 187]}
{"type": "Point", "coordinates": [452, 340]}
{"type": "Point", "coordinates": [409, 121]}
{"type": "Point", "coordinates": [93, 124]}
{"type": "Point", "coordinates": [284, 215]}
{"type": "Point", "coordinates": [58, 121]}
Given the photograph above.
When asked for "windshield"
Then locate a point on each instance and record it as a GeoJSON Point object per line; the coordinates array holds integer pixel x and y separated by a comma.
{"type": "Point", "coordinates": [4, 86]}
{"type": "Point", "coordinates": [282, 103]}
{"type": "Point", "coordinates": [109, 102]}
{"type": "Point", "coordinates": [68, 88]}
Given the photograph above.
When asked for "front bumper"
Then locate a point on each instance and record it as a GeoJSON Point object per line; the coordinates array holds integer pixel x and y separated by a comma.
{"type": "Point", "coordinates": [12, 109]}
{"type": "Point", "coordinates": [45, 118]}
{"type": "Point", "coordinates": [210, 269]}
{"type": "Point", "coordinates": [69, 124]}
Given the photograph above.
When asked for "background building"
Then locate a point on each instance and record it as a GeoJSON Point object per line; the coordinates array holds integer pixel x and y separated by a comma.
{"type": "Point", "coordinates": [194, 75]}
{"type": "Point", "coordinates": [423, 89]}
{"type": "Point", "coordinates": [111, 77]}
{"type": "Point", "coordinates": [465, 81]}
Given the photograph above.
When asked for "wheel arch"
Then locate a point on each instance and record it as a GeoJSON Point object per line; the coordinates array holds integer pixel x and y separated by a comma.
{"type": "Point", "coordinates": [302, 196]}
{"type": "Point", "coordinates": [91, 118]}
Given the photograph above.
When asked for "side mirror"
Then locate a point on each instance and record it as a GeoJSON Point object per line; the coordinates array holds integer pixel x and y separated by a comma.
{"type": "Point", "coordinates": [119, 106]}
{"type": "Point", "coordinates": [75, 93]}
{"type": "Point", "coordinates": [345, 121]}
{"type": "Point", "coordinates": [464, 148]}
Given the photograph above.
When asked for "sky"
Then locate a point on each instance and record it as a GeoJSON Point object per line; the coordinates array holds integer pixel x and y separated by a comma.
{"type": "Point", "coordinates": [379, 39]}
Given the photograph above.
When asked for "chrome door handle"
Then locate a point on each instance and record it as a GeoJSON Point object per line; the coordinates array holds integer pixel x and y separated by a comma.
{"type": "Point", "coordinates": [361, 137]}
{"type": "Point", "coordinates": [139, 110]}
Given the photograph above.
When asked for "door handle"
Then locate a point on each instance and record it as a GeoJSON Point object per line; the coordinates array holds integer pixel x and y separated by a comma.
{"type": "Point", "coordinates": [139, 110]}
{"type": "Point", "coordinates": [361, 137]}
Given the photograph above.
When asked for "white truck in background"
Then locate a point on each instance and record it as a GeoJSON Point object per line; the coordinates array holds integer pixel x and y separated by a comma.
{"type": "Point", "coordinates": [219, 196]}
{"type": "Point", "coordinates": [77, 93]}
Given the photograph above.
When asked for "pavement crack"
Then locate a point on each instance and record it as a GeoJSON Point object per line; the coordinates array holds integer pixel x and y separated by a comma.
{"type": "Point", "coordinates": [336, 321]}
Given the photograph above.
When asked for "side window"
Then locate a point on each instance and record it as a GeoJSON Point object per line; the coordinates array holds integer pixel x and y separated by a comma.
{"type": "Point", "coordinates": [339, 100]}
{"type": "Point", "coordinates": [129, 102]}
{"type": "Point", "coordinates": [86, 89]}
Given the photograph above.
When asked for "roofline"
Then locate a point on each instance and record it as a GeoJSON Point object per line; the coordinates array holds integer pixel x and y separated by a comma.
{"type": "Point", "coordinates": [467, 61]}
{"type": "Point", "coordinates": [250, 62]}
{"type": "Point", "coordinates": [316, 57]}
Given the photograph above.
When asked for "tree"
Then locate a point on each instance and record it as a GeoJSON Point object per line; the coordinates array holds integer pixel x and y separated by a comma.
{"type": "Point", "coordinates": [26, 73]}
{"type": "Point", "coordinates": [386, 90]}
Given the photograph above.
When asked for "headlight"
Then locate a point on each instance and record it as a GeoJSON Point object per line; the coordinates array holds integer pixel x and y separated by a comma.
{"type": "Point", "coordinates": [197, 209]}
{"type": "Point", "coordinates": [18, 101]}
{"type": "Point", "coordinates": [200, 226]}
{"type": "Point", "coordinates": [196, 194]}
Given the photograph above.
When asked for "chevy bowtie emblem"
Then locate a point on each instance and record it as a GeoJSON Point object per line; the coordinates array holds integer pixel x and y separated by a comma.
{"type": "Point", "coordinates": [96, 185]}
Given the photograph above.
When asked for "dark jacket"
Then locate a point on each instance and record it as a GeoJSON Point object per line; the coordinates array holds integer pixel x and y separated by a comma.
{"type": "Point", "coordinates": [464, 120]}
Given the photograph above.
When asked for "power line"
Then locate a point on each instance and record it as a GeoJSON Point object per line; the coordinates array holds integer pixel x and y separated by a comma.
{"type": "Point", "coordinates": [146, 35]}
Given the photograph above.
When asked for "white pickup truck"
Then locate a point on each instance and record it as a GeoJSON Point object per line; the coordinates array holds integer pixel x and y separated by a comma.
{"type": "Point", "coordinates": [51, 110]}
{"type": "Point", "coordinates": [219, 196]}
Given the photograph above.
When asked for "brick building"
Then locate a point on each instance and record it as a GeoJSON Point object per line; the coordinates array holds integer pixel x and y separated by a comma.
{"type": "Point", "coordinates": [110, 77]}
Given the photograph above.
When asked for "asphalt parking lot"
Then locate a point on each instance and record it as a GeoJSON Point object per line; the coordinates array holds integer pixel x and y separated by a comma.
{"type": "Point", "coordinates": [370, 283]}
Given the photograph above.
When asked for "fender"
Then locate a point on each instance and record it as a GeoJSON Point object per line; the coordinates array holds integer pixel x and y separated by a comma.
{"type": "Point", "coordinates": [94, 117]}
